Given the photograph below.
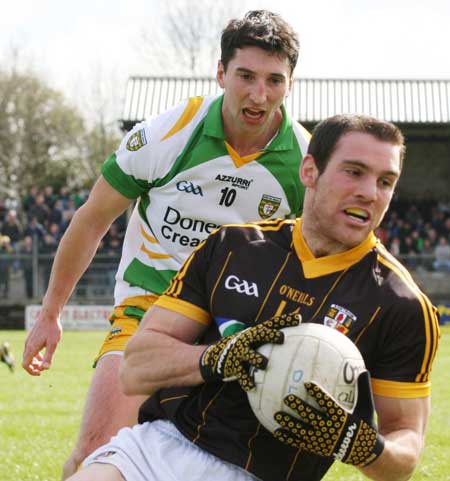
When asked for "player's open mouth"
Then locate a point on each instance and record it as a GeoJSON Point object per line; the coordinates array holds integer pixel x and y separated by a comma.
{"type": "Point", "coordinates": [358, 214]}
{"type": "Point", "coordinates": [253, 114]}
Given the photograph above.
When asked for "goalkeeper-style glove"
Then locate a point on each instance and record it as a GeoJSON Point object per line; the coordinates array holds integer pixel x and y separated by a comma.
{"type": "Point", "coordinates": [231, 357]}
{"type": "Point", "coordinates": [332, 431]}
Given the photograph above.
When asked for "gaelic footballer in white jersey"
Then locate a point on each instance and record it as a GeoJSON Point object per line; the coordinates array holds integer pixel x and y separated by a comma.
{"type": "Point", "coordinates": [188, 181]}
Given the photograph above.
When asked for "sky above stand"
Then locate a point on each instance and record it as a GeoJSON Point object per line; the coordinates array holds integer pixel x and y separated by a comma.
{"type": "Point", "coordinates": [73, 42]}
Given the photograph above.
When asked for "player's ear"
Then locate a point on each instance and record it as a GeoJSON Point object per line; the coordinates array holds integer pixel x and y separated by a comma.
{"type": "Point", "coordinates": [309, 173]}
{"type": "Point", "coordinates": [220, 74]}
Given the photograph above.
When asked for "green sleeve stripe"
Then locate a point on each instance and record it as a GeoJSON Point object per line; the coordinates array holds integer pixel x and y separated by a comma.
{"type": "Point", "coordinates": [149, 278]}
{"type": "Point", "coordinates": [127, 185]}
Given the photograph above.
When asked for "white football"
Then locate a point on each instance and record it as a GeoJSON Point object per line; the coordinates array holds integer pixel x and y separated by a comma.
{"type": "Point", "coordinates": [310, 352]}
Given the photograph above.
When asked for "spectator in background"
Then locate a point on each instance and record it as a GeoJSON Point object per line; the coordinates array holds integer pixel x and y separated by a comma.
{"type": "Point", "coordinates": [49, 197]}
{"type": "Point", "coordinates": [39, 210]}
{"type": "Point", "coordinates": [30, 199]}
{"type": "Point", "coordinates": [68, 213]}
{"type": "Point", "coordinates": [64, 196]}
{"type": "Point", "coordinates": [5, 265]}
{"type": "Point", "coordinates": [35, 229]}
{"type": "Point", "coordinates": [394, 247]}
{"type": "Point", "coordinates": [26, 248]}
{"type": "Point", "coordinates": [56, 214]}
{"type": "Point", "coordinates": [442, 255]}
{"type": "Point", "coordinates": [3, 211]}
{"type": "Point", "coordinates": [11, 228]}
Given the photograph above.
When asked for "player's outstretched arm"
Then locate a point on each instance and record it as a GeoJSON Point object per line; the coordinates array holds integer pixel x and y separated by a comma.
{"type": "Point", "coordinates": [231, 357]}
{"type": "Point", "coordinates": [75, 252]}
{"type": "Point", "coordinates": [403, 423]}
{"type": "Point", "coordinates": [161, 353]}
{"type": "Point", "coordinates": [389, 452]}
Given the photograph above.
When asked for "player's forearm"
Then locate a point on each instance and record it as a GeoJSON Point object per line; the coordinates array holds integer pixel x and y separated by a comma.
{"type": "Point", "coordinates": [399, 459]}
{"type": "Point", "coordinates": [74, 254]}
{"type": "Point", "coordinates": [154, 360]}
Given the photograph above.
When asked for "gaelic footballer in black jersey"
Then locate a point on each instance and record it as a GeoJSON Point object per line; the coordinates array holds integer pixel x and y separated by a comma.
{"type": "Point", "coordinates": [243, 275]}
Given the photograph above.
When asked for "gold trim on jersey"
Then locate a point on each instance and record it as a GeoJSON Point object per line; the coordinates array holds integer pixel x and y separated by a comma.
{"type": "Point", "coordinates": [272, 286]}
{"type": "Point", "coordinates": [154, 255]}
{"type": "Point", "coordinates": [238, 160]}
{"type": "Point", "coordinates": [294, 462]}
{"type": "Point", "coordinates": [191, 109]}
{"type": "Point", "coordinates": [173, 398]}
{"type": "Point", "coordinates": [431, 322]}
{"type": "Point", "coordinates": [202, 424]}
{"type": "Point", "coordinates": [395, 389]}
{"type": "Point", "coordinates": [219, 277]}
{"type": "Point", "coordinates": [176, 285]}
{"type": "Point", "coordinates": [321, 266]}
{"type": "Point", "coordinates": [374, 315]}
{"type": "Point", "coordinates": [185, 308]}
{"type": "Point", "coordinates": [249, 443]}
{"type": "Point", "coordinates": [152, 240]}
{"type": "Point", "coordinates": [148, 236]}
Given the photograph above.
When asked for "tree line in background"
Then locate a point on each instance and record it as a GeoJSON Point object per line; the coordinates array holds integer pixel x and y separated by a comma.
{"type": "Point", "coordinates": [44, 140]}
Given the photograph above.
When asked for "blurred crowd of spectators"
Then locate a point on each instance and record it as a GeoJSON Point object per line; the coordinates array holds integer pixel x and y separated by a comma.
{"type": "Point", "coordinates": [39, 221]}
{"type": "Point", "coordinates": [417, 233]}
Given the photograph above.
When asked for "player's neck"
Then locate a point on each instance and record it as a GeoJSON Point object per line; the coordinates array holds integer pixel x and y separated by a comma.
{"type": "Point", "coordinates": [319, 245]}
{"type": "Point", "coordinates": [245, 144]}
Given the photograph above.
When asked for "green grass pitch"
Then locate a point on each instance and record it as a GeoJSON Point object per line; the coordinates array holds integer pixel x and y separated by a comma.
{"type": "Point", "coordinates": [39, 416]}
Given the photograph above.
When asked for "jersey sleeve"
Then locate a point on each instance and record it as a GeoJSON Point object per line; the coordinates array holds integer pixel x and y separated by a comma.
{"type": "Point", "coordinates": [187, 293]}
{"type": "Point", "coordinates": [407, 349]}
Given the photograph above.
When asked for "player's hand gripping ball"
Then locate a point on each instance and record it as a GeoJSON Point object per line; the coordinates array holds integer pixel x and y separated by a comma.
{"type": "Point", "coordinates": [331, 430]}
{"type": "Point", "coordinates": [232, 357]}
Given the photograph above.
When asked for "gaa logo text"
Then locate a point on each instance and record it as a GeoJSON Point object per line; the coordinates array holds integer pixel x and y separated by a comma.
{"type": "Point", "coordinates": [189, 188]}
{"type": "Point", "coordinates": [242, 287]}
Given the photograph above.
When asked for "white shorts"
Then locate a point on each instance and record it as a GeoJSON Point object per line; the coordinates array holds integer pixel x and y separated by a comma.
{"type": "Point", "coordinates": [157, 451]}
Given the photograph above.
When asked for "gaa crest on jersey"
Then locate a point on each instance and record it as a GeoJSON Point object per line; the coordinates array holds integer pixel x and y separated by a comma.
{"type": "Point", "coordinates": [137, 140]}
{"type": "Point", "coordinates": [268, 205]}
{"type": "Point", "coordinates": [339, 318]}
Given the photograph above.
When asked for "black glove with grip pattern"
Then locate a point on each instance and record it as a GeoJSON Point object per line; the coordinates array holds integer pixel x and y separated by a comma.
{"type": "Point", "coordinates": [332, 431]}
{"type": "Point", "coordinates": [231, 357]}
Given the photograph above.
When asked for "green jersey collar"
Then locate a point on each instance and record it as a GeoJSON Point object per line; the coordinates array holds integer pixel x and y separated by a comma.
{"type": "Point", "coordinates": [213, 127]}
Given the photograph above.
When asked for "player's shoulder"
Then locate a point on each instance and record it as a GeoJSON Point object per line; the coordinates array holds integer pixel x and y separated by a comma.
{"type": "Point", "coordinates": [275, 231]}
{"type": "Point", "coordinates": [174, 125]}
{"type": "Point", "coordinates": [398, 285]}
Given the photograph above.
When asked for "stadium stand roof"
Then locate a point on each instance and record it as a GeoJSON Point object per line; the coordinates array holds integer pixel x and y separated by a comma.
{"type": "Point", "coordinates": [413, 101]}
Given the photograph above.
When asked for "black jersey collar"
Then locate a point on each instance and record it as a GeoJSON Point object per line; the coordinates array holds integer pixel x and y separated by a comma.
{"type": "Point", "coordinates": [320, 266]}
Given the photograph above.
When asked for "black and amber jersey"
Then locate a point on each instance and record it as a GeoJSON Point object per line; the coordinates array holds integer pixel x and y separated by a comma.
{"type": "Point", "coordinates": [245, 274]}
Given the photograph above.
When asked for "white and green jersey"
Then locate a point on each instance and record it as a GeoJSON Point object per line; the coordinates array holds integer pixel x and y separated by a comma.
{"type": "Point", "coordinates": [189, 181]}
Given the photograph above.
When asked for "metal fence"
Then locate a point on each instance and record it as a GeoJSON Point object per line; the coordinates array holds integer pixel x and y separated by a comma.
{"type": "Point", "coordinates": [24, 278]}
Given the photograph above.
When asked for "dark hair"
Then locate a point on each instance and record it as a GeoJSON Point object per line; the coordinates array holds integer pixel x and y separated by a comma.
{"type": "Point", "coordinates": [263, 29]}
{"type": "Point", "coordinates": [327, 133]}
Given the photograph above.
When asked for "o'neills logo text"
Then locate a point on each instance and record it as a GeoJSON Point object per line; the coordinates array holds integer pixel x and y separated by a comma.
{"type": "Point", "coordinates": [235, 181]}
{"type": "Point", "coordinates": [297, 296]}
{"type": "Point", "coordinates": [184, 230]}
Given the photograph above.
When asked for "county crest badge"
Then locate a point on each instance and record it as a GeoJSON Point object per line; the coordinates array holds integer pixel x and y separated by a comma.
{"type": "Point", "coordinates": [339, 318]}
{"type": "Point", "coordinates": [137, 140]}
{"type": "Point", "coordinates": [268, 205]}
